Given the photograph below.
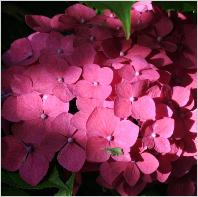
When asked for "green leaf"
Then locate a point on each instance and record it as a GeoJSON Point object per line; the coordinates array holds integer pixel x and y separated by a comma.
{"type": "Point", "coordinates": [121, 9]}
{"type": "Point", "coordinates": [185, 6]}
{"type": "Point", "coordinates": [68, 187]}
{"type": "Point", "coordinates": [13, 179]}
{"type": "Point", "coordinates": [115, 151]}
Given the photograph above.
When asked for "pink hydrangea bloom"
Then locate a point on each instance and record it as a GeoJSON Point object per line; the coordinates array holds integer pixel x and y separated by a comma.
{"type": "Point", "coordinates": [30, 153]}
{"type": "Point", "coordinates": [104, 131]}
{"type": "Point", "coordinates": [74, 143]}
{"type": "Point", "coordinates": [156, 135]}
{"type": "Point", "coordinates": [96, 83]}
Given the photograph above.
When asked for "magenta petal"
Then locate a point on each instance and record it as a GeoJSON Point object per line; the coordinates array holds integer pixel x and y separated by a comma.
{"type": "Point", "coordinates": [20, 50]}
{"type": "Point", "coordinates": [96, 149]}
{"type": "Point", "coordinates": [138, 50]}
{"type": "Point", "coordinates": [181, 95]}
{"type": "Point", "coordinates": [72, 74]}
{"type": "Point", "coordinates": [80, 11]}
{"type": "Point", "coordinates": [38, 23]}
{"type": "Point", "coordinates": [62, 92]}
{"type": "Point", "coordinates": [122, 107]}
{"type": "Point", "coordinates": [148, 164]}
{"type": "Point", "coordinates": [103, 121]}
{"type": "Point", "coordinates": [164, 127]}
{"type": "Point", "coordinates": [13, 153]}
{"type": "Point", "coordinates": [144, 108]}
{"type": "Point", "coordinates": [34, 168]}
{"type": "Point", "coordinates": [126, 134]}
{"type": "Point", "coordinates": [29, 106]}
{"type": "Point", "coordinates": [21, 84]}
{"type": "Point", "coordinates": [74, 163]}
{"type": "Point", "coordinates": [132, 174]}
{"type": "Point", "coordinates": [9, 109]}
{"type": "Point", "coordinates": [52, 106]}
{"type": "Point", "coordinates": [162, 145]}
{"type": "Point", "coordinates": [164, 26]}
{"type": "Point", "coordinates": [62, 125]}
{"type": "Point", "coordinates": [111, 170]}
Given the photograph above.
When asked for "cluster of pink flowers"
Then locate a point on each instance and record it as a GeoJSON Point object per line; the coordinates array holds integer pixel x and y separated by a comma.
{"type": "Point", "coordinates": [135, 99]}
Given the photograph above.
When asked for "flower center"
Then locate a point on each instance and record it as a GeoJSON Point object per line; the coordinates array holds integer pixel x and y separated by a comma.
{"type": "Point", "coordinates": [70, 140]}
{"type": "Point", "coordinates": [60, 79]}
{"type": "Point", "coordinates": [95, 83]}
{"type": "Point", "coordinates": [82, 20]}
{"type": "Point", "coordinates": [60, 51]}
{"type": "Point", "coordinates": [110, 138]}
{"type": "Point", "coordinates": [45, 97]}
{"type": "Point", "coordinates": [159, 38]}
{"type": "Point", "coordinates": [121, 53]}
{"type": "Point", "coordinates": [29, 148]}
{"type": "Point", "coordinates": [137, 73]}
{"type": "Point", "coordinates": [131, 98]}
{"type": "Point", "coordinates": [43, 116]}
{"type": "Point", "coordinates": [153, 135]}
{"type": "Point", "coordinates": [91, 38]}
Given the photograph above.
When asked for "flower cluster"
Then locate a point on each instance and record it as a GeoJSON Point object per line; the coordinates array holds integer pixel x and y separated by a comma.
{"type": "Point", "coordinates": [78, 91]}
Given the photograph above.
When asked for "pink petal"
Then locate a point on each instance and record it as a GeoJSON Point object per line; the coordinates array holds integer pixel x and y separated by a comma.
{"type": "Point", "coordinates": [38, 23]}
{"type": "Point", "coordinates": [52, 106]}
{"type": "Point", "coordinates": [96, 149]}
{"type": "Point", "coordinates": [180, 95]}
{"type": "Point", "coordinates": [56, 24]}
{"type": "Point", "coordinates": [20, 50]}
{"type": "Point", "coordinates": [79, 11]}
{"type": "Point", "coordinates": [79, 120]}
{"type": "Point", "coordinates": [43, 81]}
{"type": "Point", "coordinates": [13, 153]}
{"type": "Point", "coordinates": [36, 131]}
{"type": "Point", "coordinates": [149, 163]}
{"type": "Point", "coordinates": [122, 107]}
{"type": "Point", "coordinates": [132, 174]}
{"type": "Point", "coordinates": [127, 72]}
{"type": "Point", "coordinates": [111, 170]}
{"type": "Point", "coordinates": [102, 122]}
{"type": "Point", "coordinates": [124, 89]}
{"type": "Point", "coordinates": [144, 108]}
{"type": "Point", "coordinates": [51, 144]}
{"type": "Point", "coordinates": [139, 63]}
{"type": "Point", "coordinates": [34, 168]}
{"type": "Point", "coordinates": [29, 106]}
{"type": "Point", "coordinates": [62, 92]}
{"type": "Point", "coordinates": [150, 74]}
{"type": "Point", "coordinates": [164, 127]}
{"type": "Point", "coordinates": [101, 92]}
{"type": "Point", "coordinates": [82, 55]}
{"type": "Point", "coordinates": [74, 163]}
{"type": "Point", "coordinates": [72, 74]}
{"type": "Point", "coordinates": [138, 50]}
{"type": "Point", "coordinates": [62, 125]}
{"type": "Point", "coordinates": [80, 137]}
{"type": "Point", "coordinates": [162, 145]}
{"type": "Point", "coordinates": [126, 134]}
{"type": "Point", "coordinates": [9, 109]}
{"type": "Point", "coordinates": [21, 84]}
{"type": "Point", "coordinates": [93, 73]}
{"type": "Point", "coordinates": [83, 89]}
{"type": "Point", "coordinates": [86, 104]}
